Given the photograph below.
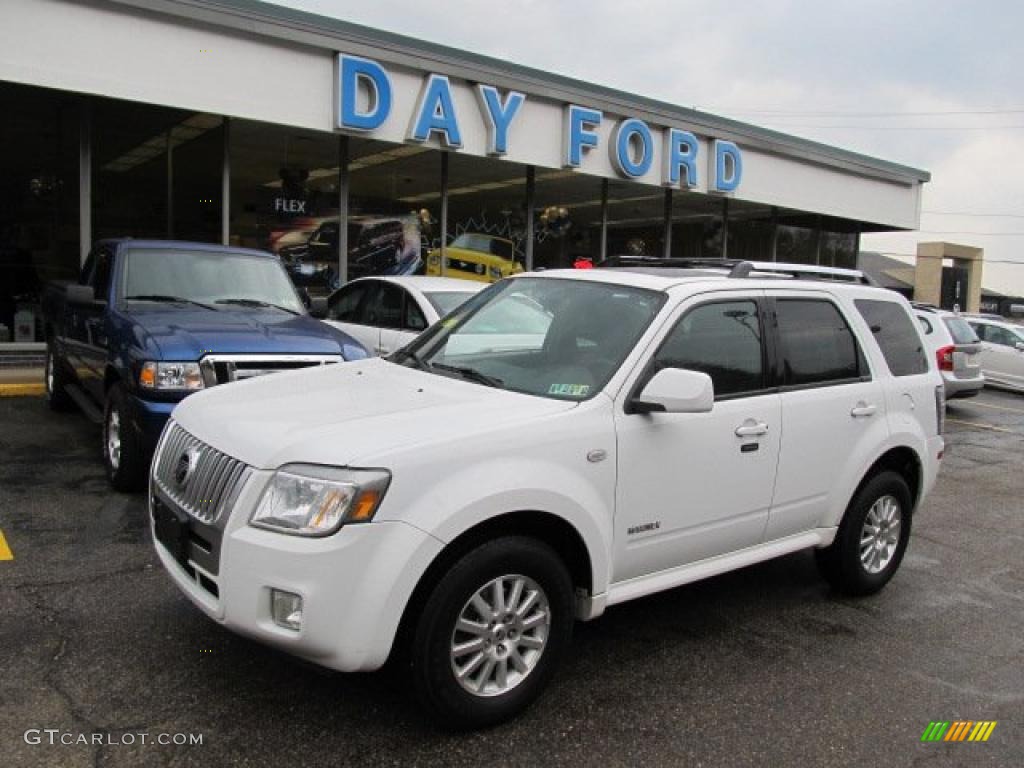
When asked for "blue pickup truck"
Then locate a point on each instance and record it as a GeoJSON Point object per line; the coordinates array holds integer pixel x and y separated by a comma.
{"type": "Point", "coordinates": [150, 321]}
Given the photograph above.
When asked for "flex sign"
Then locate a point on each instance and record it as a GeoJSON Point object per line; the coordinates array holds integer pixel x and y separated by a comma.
{"type": "Point", "coordinates": [366, 103]}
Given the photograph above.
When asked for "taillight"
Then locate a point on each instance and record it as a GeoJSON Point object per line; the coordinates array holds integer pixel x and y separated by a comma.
{"type": "Point", "coordinates": [945, 358]}
{"type": "Point", "coordinates": [940, 408]}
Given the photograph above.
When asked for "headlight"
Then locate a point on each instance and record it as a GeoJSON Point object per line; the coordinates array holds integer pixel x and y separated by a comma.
{"type": "Point", "coordinates": [308, 500]}
{"type": "Point", "coordinates": [186, 376]}
{"type": "Point", "coordinates": [495, 272]}
{"type": "Point", "coordinates": [434, 259]}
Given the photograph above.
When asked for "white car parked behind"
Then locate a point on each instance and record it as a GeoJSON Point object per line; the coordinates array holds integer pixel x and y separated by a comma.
{"type": "Point", "coordinates": [956, 348]}
{"type": "Point", "coordinates": [386, 313]}
{"type": "Point", "coordinates": [1002, 352]}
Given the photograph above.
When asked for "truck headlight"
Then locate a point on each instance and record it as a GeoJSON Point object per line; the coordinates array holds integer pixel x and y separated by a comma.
{"type": "Point", "coordinates": [309, 500]}
{"type": "Point", "coordinates": [494, 272]}
{"type": "Point", "coordinates": [183, 376]}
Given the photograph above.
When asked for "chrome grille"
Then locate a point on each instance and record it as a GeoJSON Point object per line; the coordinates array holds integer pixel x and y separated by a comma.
{"type": "Point", "coordinates": [198, 478]}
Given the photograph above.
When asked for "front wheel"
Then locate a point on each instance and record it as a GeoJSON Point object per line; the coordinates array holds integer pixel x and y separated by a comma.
{"type": "Point", "coordinates": [492, 633]}
{"type": "Point", "coordinates": [872, 538]}
{"type": "Point", "coordinates": [123, 454]}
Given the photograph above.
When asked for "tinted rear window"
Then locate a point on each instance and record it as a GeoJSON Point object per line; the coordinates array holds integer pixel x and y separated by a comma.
{"type": "Point", "coordinates": [896, 336]}
{"type": "Point", "coordinates": [962, 332]}
{"type": "Point", "coordinates": [817, 345]}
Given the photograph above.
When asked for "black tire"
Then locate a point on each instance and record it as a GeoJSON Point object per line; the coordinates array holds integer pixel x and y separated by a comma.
{"type": "Point", "coordinates": [842, 563]}
{"type": "Point", "coordinates": [448, 701]}
{"type": "Point", "coordinates": [127, 464]}
{"type": "Point", "coordinates": [55, 378]}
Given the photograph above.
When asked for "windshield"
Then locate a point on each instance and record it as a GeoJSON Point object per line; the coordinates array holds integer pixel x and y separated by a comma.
{"type": "Point", "coordinates": [961, 332]}
{"type": "Point", "coordinates": [208, 277]}
{"type": "Point", "coordinates": [445, 301]}
{"type": "Point", "coordinates": [555, 338]}
{"type": "Point", "coordinates": [484, 244]}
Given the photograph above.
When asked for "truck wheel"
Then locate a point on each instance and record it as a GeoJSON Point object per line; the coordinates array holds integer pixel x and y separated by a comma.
{"type": "Point", "coordinates": [872, 538]}
{"type": "Point", "coordinates": [55, 378]}
{"type": "Point", "coordinates": [122, 453]}
{"type": "Point", "coordinates": [492, 633]}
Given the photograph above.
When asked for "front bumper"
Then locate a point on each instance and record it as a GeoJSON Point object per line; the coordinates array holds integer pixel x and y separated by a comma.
{"type": "Point", "coordinates": [354, 584]}
{"type": "Point", "coordinates": [149, 417]}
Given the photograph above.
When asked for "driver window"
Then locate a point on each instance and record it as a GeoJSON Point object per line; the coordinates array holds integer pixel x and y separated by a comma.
{"type": "Point", "coordinates": [721, 339]}
{"type": "Point", "coordinates": [414, 319]}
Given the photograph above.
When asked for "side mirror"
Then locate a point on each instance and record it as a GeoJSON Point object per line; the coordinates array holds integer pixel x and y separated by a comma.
{"type": "Point", "coordinates": [318, 307]}
{"type": "Point", "coordinates": [675, 390]}
{"type": "Point", "coordinates": [80, 294]}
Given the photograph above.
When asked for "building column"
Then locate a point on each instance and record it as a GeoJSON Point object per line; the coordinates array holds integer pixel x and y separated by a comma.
{"type": "Point", "coordinates": [84, 179]}
{"type": "Point", "coordinates": [343, 192]}
{"type": "Point", "coordinates": [531, 184]}
{"type": "Point", "coordinates": [444, 212]}
{"type": "Point", "coordinates": [225, 186]}
{"type": "Point", "coordinates": [604, 219]}
{"type": "Point", "coordinates": [170, 186]}
{"type": "Point", "coordinates": [666, 249]}
{"type": "Point", "coordinates": [725, 228]}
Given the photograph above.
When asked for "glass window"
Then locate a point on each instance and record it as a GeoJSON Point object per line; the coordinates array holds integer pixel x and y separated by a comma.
{"type": "Point", "coordinates": [722, 340]}
{"type": "Point", "coordinates": [383, 306]}
{"type": "Point", "coordinates": [895, 333]}
{"type": "Point", "coordinates": [414, 319]}
{"type": "Point", "coordinates": [561, 339]}
{"type": "Point", "coordinates": [343, 305]}
{"type": "Point", "coordinates": [796, 244]}
{"type": "Point", "coordinates": [960, 330]}
{"type": "Point", "coordinates": [165, 274]}
{"type": "Point", "coordinates": [447, 301]}
{"type": "Point", "coordinates": [816, 344]}
{"type": "Point", "coordinates": [101, 276]}
{"type": "Point", "coordinates": [1002, 336]}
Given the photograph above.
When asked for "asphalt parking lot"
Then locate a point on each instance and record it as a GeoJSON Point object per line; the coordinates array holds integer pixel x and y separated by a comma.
{"type": "Point", "coordinates": [759, 667]}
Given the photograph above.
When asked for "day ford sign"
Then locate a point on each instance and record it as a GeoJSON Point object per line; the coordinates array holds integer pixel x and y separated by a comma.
{"type": "Point", "coordinates": [366, 103]}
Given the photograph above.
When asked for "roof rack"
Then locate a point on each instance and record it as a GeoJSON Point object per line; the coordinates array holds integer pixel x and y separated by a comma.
{"type": "Point", "coordinates": [736, 268]}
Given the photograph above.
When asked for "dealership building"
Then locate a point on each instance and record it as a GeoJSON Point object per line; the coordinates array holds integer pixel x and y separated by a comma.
{"type": "Point", "coordinates": [239, 122]}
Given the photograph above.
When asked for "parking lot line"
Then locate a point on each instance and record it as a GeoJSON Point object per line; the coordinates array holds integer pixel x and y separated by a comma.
{"type": "Point", "coordinates": [976, 425]}
{"type": "Point", "coordinates": [5, 551]}
{"type": "Point", "coordinates": [998, 407]}
{"type": "Point", "coordinates": [22, 389]}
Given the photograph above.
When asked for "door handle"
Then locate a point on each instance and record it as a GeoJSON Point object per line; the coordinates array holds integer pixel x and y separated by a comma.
{"type": "Point", "coordinates": [751, 428]}
{"type": "Point", "coordinates": [862, 410]}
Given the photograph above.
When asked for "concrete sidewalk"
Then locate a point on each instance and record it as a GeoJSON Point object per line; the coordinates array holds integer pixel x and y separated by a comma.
{"type": "Point", "coordinates": [21, 382]}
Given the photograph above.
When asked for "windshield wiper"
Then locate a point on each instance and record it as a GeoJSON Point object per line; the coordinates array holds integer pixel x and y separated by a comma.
{"type": "Point", "coordinates": [408, 354]}
{"type": "Point", "coordinates": [256, 303]}
{"type": "Point", "coordinates": [168, 299]}
{"type": "Point", "coordinates": [470, 374]}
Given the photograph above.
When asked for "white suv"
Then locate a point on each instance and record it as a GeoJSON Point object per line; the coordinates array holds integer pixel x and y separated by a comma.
{"type": "Point", "coordinates": [464, 501]}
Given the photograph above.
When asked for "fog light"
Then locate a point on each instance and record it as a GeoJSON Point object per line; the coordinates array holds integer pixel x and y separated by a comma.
{"type": "Point", "coordinates": [286, 609]}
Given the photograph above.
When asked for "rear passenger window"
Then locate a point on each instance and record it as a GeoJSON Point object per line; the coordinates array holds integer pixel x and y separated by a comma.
{"type": "Point", "coordinates": [722, 340]}
{"type": "Point", "coordinates": [816, 345]}
{"type": "Point", "coordinates": [896, 336]}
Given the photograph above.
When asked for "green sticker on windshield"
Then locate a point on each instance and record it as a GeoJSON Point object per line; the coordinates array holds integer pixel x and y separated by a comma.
{"type": "Point", "coordinates": [571, 390]}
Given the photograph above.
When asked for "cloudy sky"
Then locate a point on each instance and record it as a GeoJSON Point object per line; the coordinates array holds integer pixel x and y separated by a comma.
{"type": "Point", "coordinates": [935, 84]}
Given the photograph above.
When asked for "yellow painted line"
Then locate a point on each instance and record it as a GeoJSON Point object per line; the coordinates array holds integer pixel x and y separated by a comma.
{"type": "Point", "coordinates": [5, 551]}
{"type": "Point", "coordinates": [976, 425]}
{"type": "Point", "coordinates": [997, 407]}
{"type": "Point", "coordinates": [22, 390]}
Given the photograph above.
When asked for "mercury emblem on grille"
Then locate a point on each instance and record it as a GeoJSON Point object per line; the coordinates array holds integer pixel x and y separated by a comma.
{"type": "Point", "coordinates": [186, 466]}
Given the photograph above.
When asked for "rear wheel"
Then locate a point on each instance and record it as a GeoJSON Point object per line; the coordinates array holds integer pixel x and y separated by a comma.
{"type": "Point", "coordinates": [123, 454]}
{"type": "Point", "coordinates": [492, 633]}
{"type": "Point", "coordinates": [872, 538]}
{"type": "Point", "coordinates": [55, 378]}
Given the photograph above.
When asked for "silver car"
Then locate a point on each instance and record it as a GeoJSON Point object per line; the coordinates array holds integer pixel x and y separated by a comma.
{"type": "Point", "coordinates": [956, 348]}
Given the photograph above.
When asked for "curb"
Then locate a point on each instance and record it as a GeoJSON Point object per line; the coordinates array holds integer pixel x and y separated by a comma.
{"type": "Point", "coordinates": [35, 389]}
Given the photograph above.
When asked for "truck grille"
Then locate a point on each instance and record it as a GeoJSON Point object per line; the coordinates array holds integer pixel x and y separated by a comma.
{"type": "Point", "coordinates": [222, 369]}
{"type": "Point", "coordinates": [201, 480]}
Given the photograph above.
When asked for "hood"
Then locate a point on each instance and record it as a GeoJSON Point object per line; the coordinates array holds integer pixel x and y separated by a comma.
{"type": "Point", "coordinates": [187, 332]}
{"type": "Point", "coordinates": [349, 414]}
